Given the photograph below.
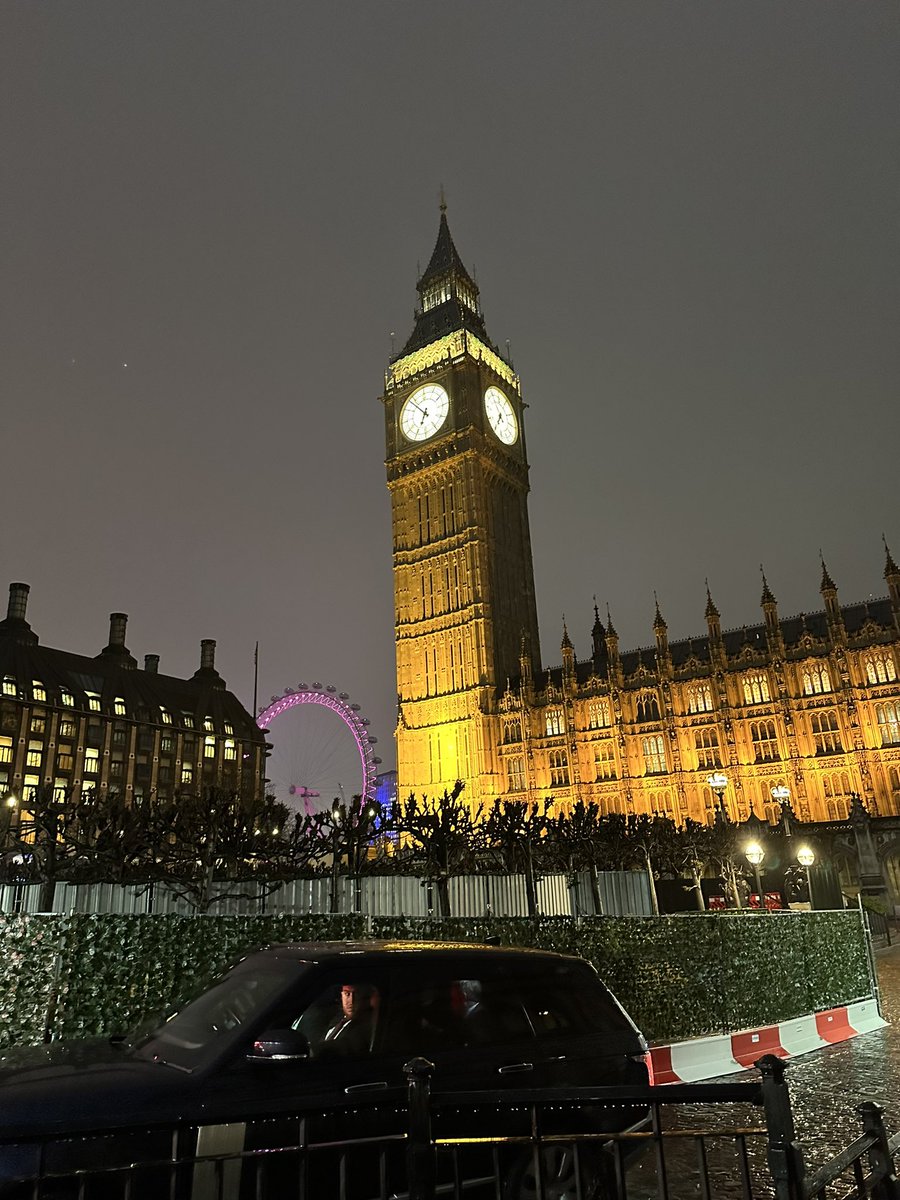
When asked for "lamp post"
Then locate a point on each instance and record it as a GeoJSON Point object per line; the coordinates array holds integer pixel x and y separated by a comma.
{"type": "Point", "coordinates": [806, 858]}
{"type": "Point", "coordinates": [719, 782]}
{"type": "Point", "coordinates": [754, 854]}
{"type": "Point", "coordinates": [338, 813]}
{"type": "Point", "coordinates": [782, 795]}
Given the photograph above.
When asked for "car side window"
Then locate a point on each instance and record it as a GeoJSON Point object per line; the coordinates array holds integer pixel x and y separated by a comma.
{"type": "Point", "coordinates": [568, 1002]}
{"type": "Point", "coordinates": [445, 1010]}
{"type": "Point", "coordinates": [340, 1019]}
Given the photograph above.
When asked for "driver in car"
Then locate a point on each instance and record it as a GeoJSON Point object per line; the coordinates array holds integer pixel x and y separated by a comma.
{"type": "Point", "coordinates": [351, 1033]}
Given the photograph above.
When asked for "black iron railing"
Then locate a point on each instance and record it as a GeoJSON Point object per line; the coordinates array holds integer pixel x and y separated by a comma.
{"type": "Point", "coordinates": [417, 1144]}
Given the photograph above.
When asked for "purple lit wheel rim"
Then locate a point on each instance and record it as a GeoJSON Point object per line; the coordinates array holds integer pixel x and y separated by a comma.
{"type": "Point", "coordinates": [351, 718]}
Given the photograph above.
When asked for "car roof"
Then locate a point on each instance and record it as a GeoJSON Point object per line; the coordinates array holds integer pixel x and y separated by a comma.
{"type": "Point", "coordinates": [374, 949]}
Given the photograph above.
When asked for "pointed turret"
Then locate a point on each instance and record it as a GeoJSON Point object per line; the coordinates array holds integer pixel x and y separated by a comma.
{"type": "Point", "coordinates": [448, 296]}
{"type": "Point", "coordinates": [598, 640]}
{"type": "Point", "coordinates": [770, 611]}
{"type": "Point", "coordinates": [714, 626]}
{"type": "Point", "coordinates": [892, 578]}
{"type": "Point", "coordinates": [612, 649]}
{"type": "Point", "coordinates": [568, 655]}
{"type": "Point", "coordinates": [661, 630]}
{"type": "Point", "coordinates": [833, 613]}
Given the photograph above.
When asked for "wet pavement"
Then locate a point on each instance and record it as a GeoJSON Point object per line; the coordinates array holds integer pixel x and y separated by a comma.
{"type": "Point", "coordinates": [825, 1087]}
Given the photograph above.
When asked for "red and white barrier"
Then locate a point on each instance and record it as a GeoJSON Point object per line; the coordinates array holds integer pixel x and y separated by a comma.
{"type": "Point", "coordinates": [709, 1057]}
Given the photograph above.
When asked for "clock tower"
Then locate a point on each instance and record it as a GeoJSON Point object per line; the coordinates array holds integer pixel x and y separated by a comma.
{"type": "Point", "coordinates": [463, 577]}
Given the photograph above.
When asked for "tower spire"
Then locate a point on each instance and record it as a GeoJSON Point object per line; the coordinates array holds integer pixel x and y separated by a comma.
{"type": "Point", "coordinates": [767, 597]}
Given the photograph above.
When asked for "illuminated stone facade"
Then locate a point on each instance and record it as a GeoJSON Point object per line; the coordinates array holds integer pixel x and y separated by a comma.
{"type": "Point", "coordinates": [72, 722]}
{"type": "Point", "coordinates": [811, 703]}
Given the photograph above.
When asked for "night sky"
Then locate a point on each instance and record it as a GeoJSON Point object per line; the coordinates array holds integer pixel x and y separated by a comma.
{"type": "Point", "coordinates": [683, 215]}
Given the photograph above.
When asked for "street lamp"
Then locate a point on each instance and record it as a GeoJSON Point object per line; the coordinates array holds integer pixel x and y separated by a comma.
{"type": "Point", "coordinates": [337, 819]}
{"type": "Point", "coordinates": [754, 854]}
{"type": "Point", "coordinates": [806, 858]}
{"type": "Point", "coordinates": [718, 782]}
{"type": "Point", "coordinates": [782, 795]}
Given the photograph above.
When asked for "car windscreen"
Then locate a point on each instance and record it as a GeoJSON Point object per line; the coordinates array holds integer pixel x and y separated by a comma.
{"type": "Point", "coordinates": [194, 1036]}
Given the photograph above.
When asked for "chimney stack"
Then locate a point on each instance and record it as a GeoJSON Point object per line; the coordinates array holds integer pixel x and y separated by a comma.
{"type": "Point", "coordinates": [117, 623]}
{"type": "Point", "coordinates": [15, 626]}
{"type": "Point", "coordinates": [151, 664]}
{"type": "Point", "coordinates": [207, 655]}
{"type": "Point", "coordinates": [116, 648]}
{"type": "Point", "coordinates": [18, 601]}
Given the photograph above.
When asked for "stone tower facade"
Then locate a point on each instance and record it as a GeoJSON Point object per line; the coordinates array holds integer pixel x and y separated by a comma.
{"type": "Point", "coordinates": [466, 618]}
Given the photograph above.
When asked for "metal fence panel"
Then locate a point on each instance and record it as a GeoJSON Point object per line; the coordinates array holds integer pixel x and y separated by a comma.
{"type": "Point", "coordinates": [622, 893]}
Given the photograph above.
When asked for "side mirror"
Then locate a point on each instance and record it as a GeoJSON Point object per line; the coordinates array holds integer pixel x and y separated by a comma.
{"type": "Point", "coordinates": [279, 1045]}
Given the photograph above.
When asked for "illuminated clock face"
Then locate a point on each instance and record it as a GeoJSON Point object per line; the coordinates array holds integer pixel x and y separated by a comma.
{"type": "Point", "coordinates": [501, 415]}
{"type": "Point", "coordinates": [424, 412]}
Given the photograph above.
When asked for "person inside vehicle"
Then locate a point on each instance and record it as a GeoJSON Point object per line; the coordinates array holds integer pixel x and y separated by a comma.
{"type": "Point", "coordinates": [351, 1031]}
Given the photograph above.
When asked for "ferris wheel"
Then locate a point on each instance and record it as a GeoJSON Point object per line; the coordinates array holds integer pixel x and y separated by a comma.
{"type": "Point", "coordinates": [326, 696]}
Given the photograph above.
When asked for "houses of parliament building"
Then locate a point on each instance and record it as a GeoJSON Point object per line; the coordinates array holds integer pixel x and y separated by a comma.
{"type": "Point", "coordinates": [810, 703]}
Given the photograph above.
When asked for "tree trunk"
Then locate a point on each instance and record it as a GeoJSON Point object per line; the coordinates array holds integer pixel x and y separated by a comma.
{"type": "Point", "coordinates": [530, 886]}
{"type": "Point", "coordinates": [654, 899]}
{"type": "Point", "coordinates": [595, 889]}
{"type": "Point", "coordinates": [48, 891]}
{"type": "Point", "coordinates": [698, 888]}
{"type": "Point", "coordinates": [443, 891]}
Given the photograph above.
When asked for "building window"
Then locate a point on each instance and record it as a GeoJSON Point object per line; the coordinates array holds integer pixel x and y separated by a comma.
{"type": "Point", "coordinates": [38, 691]}
{"type": "Point", "coordinates": [93, 701]}
{"type": "Point", "coordinates": [654, 754]}
{"type": "Point", "coordinates": [826, 733]}
{"type": "Point", "coordinates": [66, 697]}
{"type": "Point", "coordinates": [9, 686]}
{"type": "Point", "coordinates": [66, 728]}
{"type": "Point", "coordinates": [117, 768]}
{"type": "Point", "coordinates": [208, 725]}
{"type": "Point", "coordinates": [880, 667]}
{"type": "Point", "coordinates": [229, 728]}
{"type": "Point", "coordinates": [6, 749]}
{"type": "Point", "coordinates": [60, 790]}
{"type": "Point", "coordinates": [604, 760]}
{"type": "Point", "coordinates": [559, 768]}
{"type": "Point", "coordinates": [39, 724]}
{"type": "Point", "coordinates": [187, 773]}
{"type": "Point", "coordinates": [765, 741]}
{"type": "Point", "coordinates": [554, 722]}
{"type": "Point", "coordinates": [165, 716]}
{"type": "Point", "coordinates": [816, 679]}
{"type": "Point", "coordinates": [120, 737]}
{"type": "Point", "coordinates": [516, 773]}
{"type": "Point", "coordinates": [230, 750]}
{"type": "Point", "coordinates": [647, 707]}
{"type": "Point", "coordinates": [888, 715]}
{"type": "Point", "coordinates": [166, 744]}
{"type": "Point", "coordinates": [34, 754]}
{"type": "Point", "coordinates": [512, 731]}
{"type": "Point", "coordinates": [598, 714]}
{"type": "Point", "coordinates": [65, 761]}
{"type": "Point", "coordinates": [837, 791]}
{"type": "Point", "coordinates": [209, 747]}
{"type": "Point", "coordinates": [756, 688]}
{"type": "Point", "coordinates": [119, 706]}
{"type": "Point", "coordinates": [706, 743]}
{"type": "Point", "coordinates": [91, 761]}
{"type": "Point", "coordinates": [699, 698]}
{"type": "Point", "coordinates": [188, 720]}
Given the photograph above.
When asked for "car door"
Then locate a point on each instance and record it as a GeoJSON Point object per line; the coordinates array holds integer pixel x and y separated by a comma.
{"type": "Point", "coordinates": [322, 1097]}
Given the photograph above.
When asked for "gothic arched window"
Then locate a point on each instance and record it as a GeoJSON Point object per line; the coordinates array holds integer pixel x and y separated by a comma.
{"type": "Point", "coordinates": [516, 773]}
{"type": "Point", "coordinates": [554, 722]}
{"type": "Point", "coordinates": [756, 688]}
{"type": "Point", "coordinates": [765, 741]}
{"type": "Point", "coordinates": [826, 733]}
{"type": "Point", "coordinates": [512, 731]}
{"type": "Point", "coordinates": [647, 707]}
{"type": "Point", "coordinates": [605, 760]}
{"type": "Point", "coordinates": [706, 743]}
{"type": "Point", "coordinates": [816, 679]}
{"type": "Point", "coordinates": [654, 754]}
{"type": "Point", "coordinates": [880, 667]}
{"type": "Point", "coordinates": [598, 713]}
{"type": "Point", "coordinates": [559, 768]}
{"type": "Point", "coordinates": [888, 715]}
{"type": "Point", "coordinates": [699, 698]}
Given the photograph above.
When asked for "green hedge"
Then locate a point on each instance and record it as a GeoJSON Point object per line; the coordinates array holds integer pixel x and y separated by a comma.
{"type": "Point", "coordinates": [679, 976]}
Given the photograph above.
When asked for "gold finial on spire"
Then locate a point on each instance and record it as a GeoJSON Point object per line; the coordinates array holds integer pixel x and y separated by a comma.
{"type": "Point", "coordinates": [443, 203]}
